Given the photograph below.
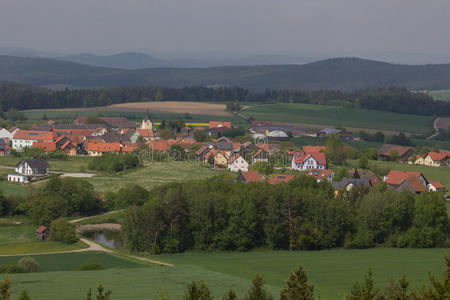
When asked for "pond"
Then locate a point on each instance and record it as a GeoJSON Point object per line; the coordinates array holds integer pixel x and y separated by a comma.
{"type": "Point", "coordinates": [108, 238]}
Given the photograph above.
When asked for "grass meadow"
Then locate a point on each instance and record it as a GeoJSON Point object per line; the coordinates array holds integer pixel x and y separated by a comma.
{"type": "Point", "coordinates": [441, 95]}
{"type": "Point", "coordinates": [20, 239]}
{"type": "Point", "coordinates": [332, 272]}
{"type": "Point", "coordinates": [341, 116]}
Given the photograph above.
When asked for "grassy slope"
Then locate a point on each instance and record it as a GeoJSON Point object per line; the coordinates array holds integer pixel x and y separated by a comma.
{"type": "Point", "coordinates": [341, 116]}
{"type": "Point", "coordinates": [15, 239]}
{"type": "Point", "coordinates": [331, 271]}
{"type": "Point", "coordinates": [152, 175]}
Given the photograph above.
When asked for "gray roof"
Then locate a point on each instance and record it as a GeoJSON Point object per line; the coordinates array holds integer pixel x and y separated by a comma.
{"type": "Point", "coordinates": [330, 130]}
{"type": "Point", "coordinates": [224, 146]}
{"type": "Point", "coordinates": [38, 164]}
{"type": "Point", "coordinates": [337, 185]}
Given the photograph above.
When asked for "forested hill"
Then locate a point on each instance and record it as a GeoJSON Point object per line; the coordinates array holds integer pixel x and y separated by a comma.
{"type": "Point", "coordinates": [337, 74]}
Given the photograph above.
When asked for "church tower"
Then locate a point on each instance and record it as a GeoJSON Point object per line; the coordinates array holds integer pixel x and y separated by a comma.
{"type": "Point", "coordinates": [147, 122]}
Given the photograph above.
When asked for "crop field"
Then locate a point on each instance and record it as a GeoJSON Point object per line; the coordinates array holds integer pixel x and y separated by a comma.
{"type": "Point", "coordinates": [441, 94]}
{"type": "Point", "coordinates": [352, 118]}
{"type": "Point", "coordinates": [174, 107]}
{"type": "Point", "coordinates": [332, 272]}
{"type": "Point", "coordinates": [20, 239]}
{"type": "Point", "coordinates": [152, 174]}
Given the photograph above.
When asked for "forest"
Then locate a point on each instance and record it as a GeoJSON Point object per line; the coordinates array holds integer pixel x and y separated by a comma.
{"type": "Point", "coordinates": [221, 214]}
{"type": "Point", "coordinates": [393, 99]}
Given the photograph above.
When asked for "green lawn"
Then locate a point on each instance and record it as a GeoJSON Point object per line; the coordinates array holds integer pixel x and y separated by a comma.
{"type": "Point", "coordinates": [152, 175]}
{"type": "Point", "coordinates": [69, 261]}
{"type": "Point", "coordinates": [20, 239]}
{"type": "Point", "coordinates": [73, 164]}
{"type": "Point", "coordinates": [441, 94]}
{"type": "Point", "coordinates": [341, 116]}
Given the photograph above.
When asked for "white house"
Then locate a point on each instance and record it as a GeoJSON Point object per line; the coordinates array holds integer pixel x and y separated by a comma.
{"type": "Point", "coordinates": [5, 134]}
{"type": "Point", "coordinates": [321, 174]}
{"type": "Point", "coordinates": [26, 138]}
{"type": "Point", "coordinates": [29, 168]}
{"type": "Point", "coordinates": [237, 163]}
{"type": "Point", "coordinates": [303, 161]}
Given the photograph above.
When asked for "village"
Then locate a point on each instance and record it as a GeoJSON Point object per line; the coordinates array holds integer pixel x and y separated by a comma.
{"type": "Point", "coordinates": [95, 136]}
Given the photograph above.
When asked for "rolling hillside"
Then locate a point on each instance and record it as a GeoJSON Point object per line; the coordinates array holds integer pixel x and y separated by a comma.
{"type": "Point", "coordinates": [338, 73]}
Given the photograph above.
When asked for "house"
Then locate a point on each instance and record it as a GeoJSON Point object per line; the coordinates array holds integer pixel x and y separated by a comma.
{"type": "Point", "coordinates": [412, 181]}
{"type": "Point", "coordinates": [303, 161]}
{"type": "Point", "coordinates": [4, 148]}
{"type": "Point", "coordinates": [147, 122]}
{"type": "Point", "coordinates": [26, 169]}
{"type": "Point", "coordinates": [250, 176]}
{"type": "Point", "coordinates": [321, 174]}
{"type": "Point", "coordinates": [219, 124]}
{"type": "Point", "coordinates": [5, 134]}
{"type": "Point", "coordinates": [220, 159]}
{"type": "Point", "coordinates": [237, 163]}
{"type": "Point", "coordinates": [437, 159]}
{"type": "Point", "coordinates": [26, 138]}
{"type": "Point", "coordinates": [435, 186]}
{"type": "Point", "coordinates": [97, 149]}
{"type": "Point", "coordinates": [386, 151]}
{"type": "Point", "coordinates": [161, 145]}
{"type": "Point", "coordinates": [147, 134]}
{"type": "Point", "coordinates": [46, 146]}
{"type": "Point", "coordinates": [417, 159]}
{"type": "Point", "coordinates": [42, 233]}
{"type": "Point", "coordinates": [262, 155]}
{"type": "Point", "coordinates": [280, 178]}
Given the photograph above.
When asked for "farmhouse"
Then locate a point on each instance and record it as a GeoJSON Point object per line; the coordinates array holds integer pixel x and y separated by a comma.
{"type": "Point", "coordinates": [412, 181]}
{"type": "Point", "coordinates": [437, 159]}
{"type": "Point", "coordinates": [250, 176]}
{"type": "Point", "coordinates": [386, 152]}
{"type": "Point", "coordinates": [237, 163]}
{"type": "Point", "coordinates": [29, 168]}
{"type": "Point", "coordinates": [26, 138]}
{"type": "Point", "coordinates": [321, 174]}
{"type": "Point", "coordinates": [309, 160]}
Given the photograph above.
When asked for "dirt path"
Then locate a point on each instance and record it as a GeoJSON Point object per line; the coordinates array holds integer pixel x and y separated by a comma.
{"type": "Point", "coordinates": [87, 218]}
{"type": "Point", "coordinates": [435, 127]}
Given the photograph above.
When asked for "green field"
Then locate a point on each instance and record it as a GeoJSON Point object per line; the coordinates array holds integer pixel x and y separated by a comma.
{"type": "Point", "coordinates": [332, 272]}
{"type": "Point", "coordinates": [20, 239]}
{"type": "Point", "coordinates": [152, 175]}
{"type": "Point", "coordinates": [341, 116]}
{"type": "Point", "coordinates": [441, 94]}
{"type": "Point", "coordinates": [69, 261]}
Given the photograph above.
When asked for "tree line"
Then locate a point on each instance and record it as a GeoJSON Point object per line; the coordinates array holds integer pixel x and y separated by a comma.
{"type": "Point", "coordinates": [221, 214]}
{"type": "Point", "coordinates": [394, 99]}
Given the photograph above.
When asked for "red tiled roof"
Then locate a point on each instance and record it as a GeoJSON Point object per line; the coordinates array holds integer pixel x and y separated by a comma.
{"type": "Point", "coordinates": [436, 184]}
{"type": "Point", "coordinates": [386, 150]}
{"type": "Point", "coordinates": [264, 147]}
{"type": "Point", "coordinates": [236, 156]}
{"type": "Point", "coordinates": [201, 150]}
{"type": "Point", "coordinates": [300, 157]}
{"type": "Point", "coordinates": [236, 145]}
{"type": "Point", "coordinates": [147, 133]}
{"type": "Point", "coordinates": [161, 145]}
{"type": "Point", "coordinates": [41, 229]}
{"type": "Point", "coordinates": [313, 148]}
{"type": "Point", "coordinates": [437, 156]}
{"type": "Point", "coordinates": [280, 178]}
{"type": "Point", "coordinates": [252, 176]}
{"type": "Point", "coordinates": [34, 135]}
{"type": "Point", "coordinates": [219, 124]}
{"type": "Point", "coordinates": [67, 143]}
{"type": "Point", "coordinates": [47, 146]}
{"type": "Point", "coordinates": [396, 177]}
{"type": "Point", "coordinates": [103, 147]}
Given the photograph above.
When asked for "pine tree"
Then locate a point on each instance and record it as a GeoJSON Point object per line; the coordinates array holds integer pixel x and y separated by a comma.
{"type": "Point", "coordinates": [231, 295]}
{"type": "Point", "coordinates": [364, 291]}
{"type": "Point", "coordinates": [5, 286]}
{"type": "Point", "coordinates": [100, 295]}
{"type": "Point", "coordinates": [198, 291]}
{"type": "Point", "coordinates": [297, 287]}
{"type": "Point", "coordinates": [257, 291]}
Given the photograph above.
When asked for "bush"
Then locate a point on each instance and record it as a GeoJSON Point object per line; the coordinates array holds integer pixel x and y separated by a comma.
{"type": "Point", "coordinates": [90, 267]}
{"type": "Point", "coordinates": [11, 269]}
{"type": "Point", "coordinates": [362, 239]}
{"type": "Point", "coordinates": [63, 231]}
{"type": "Point", "coordinates": [29, 265]}
{"type": "Point", "coordinates": [110, 162]}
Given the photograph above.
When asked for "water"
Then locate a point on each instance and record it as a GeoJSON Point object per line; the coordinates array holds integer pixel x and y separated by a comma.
{"type": "Point", "coordinates": [108, 238]}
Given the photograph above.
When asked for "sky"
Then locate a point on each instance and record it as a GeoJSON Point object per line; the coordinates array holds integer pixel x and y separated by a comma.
{"type": "Point", "coordinates": [183, 27]}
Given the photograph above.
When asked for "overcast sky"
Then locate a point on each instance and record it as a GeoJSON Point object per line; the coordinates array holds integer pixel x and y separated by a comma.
{"type": "Point", "coordinates": [227, 26]}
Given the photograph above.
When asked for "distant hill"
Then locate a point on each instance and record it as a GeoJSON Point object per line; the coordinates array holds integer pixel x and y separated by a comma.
{"type": "Point", "coordinates": [127, 60]}
{"type": "Point", "coordinates": [337, 73]}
